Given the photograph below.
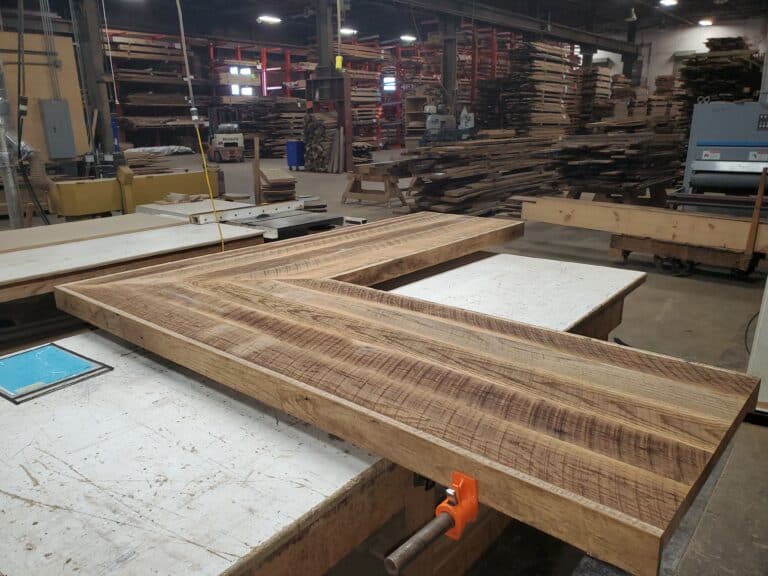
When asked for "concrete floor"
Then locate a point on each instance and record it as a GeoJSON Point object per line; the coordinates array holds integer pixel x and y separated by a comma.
{"type": "Point", "coordinates": [700, 318]}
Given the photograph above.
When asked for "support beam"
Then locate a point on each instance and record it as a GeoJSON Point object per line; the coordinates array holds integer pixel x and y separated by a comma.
{"type": "Point", "coordinates": [87, 13]}
{"type": "Point", "coordinates": [449, 27]}
{"type": "Point", "coordinates": [506, 19]}
{"type": "Point", "coordinates": [324, 36]}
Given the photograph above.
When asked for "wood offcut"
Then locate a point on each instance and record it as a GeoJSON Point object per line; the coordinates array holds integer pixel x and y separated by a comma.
{"type": "Point", "coordinates": [599, 445]}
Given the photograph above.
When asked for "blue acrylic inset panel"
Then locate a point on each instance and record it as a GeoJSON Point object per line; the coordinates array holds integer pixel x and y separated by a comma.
{"type": "Point", "coordinates": [32, 371]}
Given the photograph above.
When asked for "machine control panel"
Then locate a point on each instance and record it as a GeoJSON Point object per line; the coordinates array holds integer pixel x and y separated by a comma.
{"type": "Point", "coordinates": [762, 121]}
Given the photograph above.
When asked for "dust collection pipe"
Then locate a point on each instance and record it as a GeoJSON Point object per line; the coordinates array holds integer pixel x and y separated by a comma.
{"type": "Point", "coordinates": [12, 198]}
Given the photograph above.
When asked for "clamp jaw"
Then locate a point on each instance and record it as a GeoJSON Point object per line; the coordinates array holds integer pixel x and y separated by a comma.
{"type": "Point", "coordinates": [460, 503]}
{"type": "Point", "coordinates": [451, 518]}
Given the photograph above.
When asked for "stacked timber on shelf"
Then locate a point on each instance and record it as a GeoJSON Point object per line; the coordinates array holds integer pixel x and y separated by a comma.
{"type": "Point", "coordinates": [274, 120]}
{"type": "Point", "coordinates": [363, 65]}
{"type": "Point", "coordinates": [236, 81]}
{"type": "Point", "coordinates": [730, 71]}
{"type": "Point", "coordinates": [595, 96]}
{"type": "Point", "coordinates": [149, 71]}
{"type": "Point", "coordinates": [665, 103]}
{"type": "Point", "coordinates": [415, 119]}
{"type": "Point", "coordinates": [434, 388]}
{"type": "Point", "coordinates": [540, 89]}
{"type": "Point", "coordinates": [619, 165]}
{"type": "Point", "coordinates": [476, 176]}
{"type": "Point", "coordinates": [323, 150]}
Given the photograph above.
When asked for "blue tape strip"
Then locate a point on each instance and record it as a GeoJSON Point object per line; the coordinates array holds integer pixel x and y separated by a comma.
{"type": "Point", "coordinates": [33, 369]}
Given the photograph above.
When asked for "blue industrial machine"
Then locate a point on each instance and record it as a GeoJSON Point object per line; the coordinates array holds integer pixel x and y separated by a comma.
{"type": "Point", "coordinates": [728, 145]}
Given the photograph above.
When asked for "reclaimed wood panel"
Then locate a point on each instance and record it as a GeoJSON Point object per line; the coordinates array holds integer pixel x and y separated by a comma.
{"type": "Point", "coordinates": [596, 444]}
{"type": "Point", "coordinates": [695, 229]}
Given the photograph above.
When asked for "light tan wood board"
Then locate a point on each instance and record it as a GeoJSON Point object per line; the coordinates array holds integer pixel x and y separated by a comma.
{"type": "Point", "coordinates": [39, 86]}
{"type": "Point", "coordinates": [596, 444]}
{"type": "Point", "coordinates": [39, 236]}
{"type": "Point", "coordinates": [706, 230]}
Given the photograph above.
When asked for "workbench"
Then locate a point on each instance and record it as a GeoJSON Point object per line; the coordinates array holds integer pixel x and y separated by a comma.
{"type": "Point", "coordinates": [151, 468]}
{"type": "Point", "coordinates": [37, 269]}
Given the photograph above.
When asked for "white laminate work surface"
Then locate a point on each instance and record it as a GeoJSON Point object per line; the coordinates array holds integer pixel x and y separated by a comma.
{"type": "Point", "coordinates": [24, 265]}
{"type": "Point", "coordinates": [546, 293]}
{"type": "Point", "coordinates": [147, 469]}
{"type": "Point", "coordinates": [38, 236]}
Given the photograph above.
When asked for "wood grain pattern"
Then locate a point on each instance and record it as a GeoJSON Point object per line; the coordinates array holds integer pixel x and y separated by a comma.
{"type": "Point", "coordinates": [596, 444]}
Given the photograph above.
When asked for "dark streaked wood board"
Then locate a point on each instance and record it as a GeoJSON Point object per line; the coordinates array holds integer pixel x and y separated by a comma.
{"type": "Point", "coordinates": [596, 444]}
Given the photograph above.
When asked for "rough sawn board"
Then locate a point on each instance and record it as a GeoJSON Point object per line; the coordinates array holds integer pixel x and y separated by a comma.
{"type": "Point", "coordinates": [596, 444]}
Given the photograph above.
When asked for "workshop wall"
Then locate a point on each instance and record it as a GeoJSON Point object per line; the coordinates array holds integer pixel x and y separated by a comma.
{"type": "Point", "coordinates": [39, 87]}
{"type": "Point", "coordinates": [658, 46]}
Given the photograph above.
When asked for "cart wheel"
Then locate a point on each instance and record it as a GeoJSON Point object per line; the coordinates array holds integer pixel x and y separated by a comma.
{"type": "Point", "coordinates": [672, 266]}
{"type": "Point", "coordinates": [625, 256]}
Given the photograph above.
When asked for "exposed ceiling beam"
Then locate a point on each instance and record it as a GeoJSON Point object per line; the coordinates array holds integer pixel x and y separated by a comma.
{"type": "Point", "coordinates": [506, 19]}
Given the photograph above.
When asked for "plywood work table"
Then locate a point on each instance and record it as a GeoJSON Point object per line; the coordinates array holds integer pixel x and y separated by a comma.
{"type": "Point", "coordinates": [156, 448]}
{"type": "Point", "coordinates": [38, 269]}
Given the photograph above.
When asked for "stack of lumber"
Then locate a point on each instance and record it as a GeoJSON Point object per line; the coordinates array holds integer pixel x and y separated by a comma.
{"type": "Point", "coordinates": [322, 143]}
{"type": "Point", "coordinates": [595, 95]}
{"type": "Point", "coordinates": [142, 122]}
{"type": "Point", "coordinates": [617, 164]}
{"type": "Point", "coordinates": [540, 89]}
{"type": "Point", "coordinates": [602, 446]}
{"type": "Point", "coordinates": [362, 152]}
{"type": "Point", "coordinates": [277, 185]}
{"type": "Point", "coordinates": [147, 163]}
{"type": "Point", "coordinates": [275, 120]}
{"type": "Point", "coordinates": [160, 99]}
{"type": "Point", "coordinates": [361, 52]}
{"type": "Point", "coordinates": [731, 70]}
{"type": "Point", "coordinates": [365, 94]}
{"type": "Point", "coordinates": [474, 177]}
{"type": "Point", "coordinates": [665, 104]}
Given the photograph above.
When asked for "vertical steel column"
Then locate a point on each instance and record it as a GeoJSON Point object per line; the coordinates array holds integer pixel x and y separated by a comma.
{"type": "Point", "coordinates": [264, 77]}
{"type": "Point", "coordinates": [287, 70]}
{"type": "Point", "coordinates": [12, 196]}
{"type": "Point", "coordinates": [494, 53]}
{"type": "Point", "coordinates": [475, 64]}
{"type": "Point", "coordinates": [324, 36]}
{"type": "Point", "coordinates": [87, 13]}
{"type": "Point", "coordinates": [449, 26]}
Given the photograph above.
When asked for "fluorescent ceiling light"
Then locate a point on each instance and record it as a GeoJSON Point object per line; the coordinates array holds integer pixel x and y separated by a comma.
{"type": "Point", "coordinates": [347, 31]}
{"type": "Point", "coordinates": [668, 2]}
{"type": "Point", "coordinates": [408, 38]}
{"type": "Point", "coordinates": [705, 22]}
{"type": "Point", "coordinates": [265, 19]}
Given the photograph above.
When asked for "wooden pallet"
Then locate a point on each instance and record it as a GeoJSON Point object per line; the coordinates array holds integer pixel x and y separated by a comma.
{"type": "Point", "coordinates": [597, 444]}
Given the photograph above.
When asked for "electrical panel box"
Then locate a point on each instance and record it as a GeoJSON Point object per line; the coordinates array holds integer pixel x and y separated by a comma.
{"type": "Point", "coordinates": [57, 125]}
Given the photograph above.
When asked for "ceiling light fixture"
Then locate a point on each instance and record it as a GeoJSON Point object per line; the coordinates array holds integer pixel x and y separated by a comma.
{"type": "Point", "coordinates": [265, 19]}
{"type": "Point", "coordinates": [705, 22]}
{"type": "Point", "coordinates": [668, 3]}
{"type": "Point", "coordinates": [408, 38]}
{"type": "Point", "coordinates": [347, 31]}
